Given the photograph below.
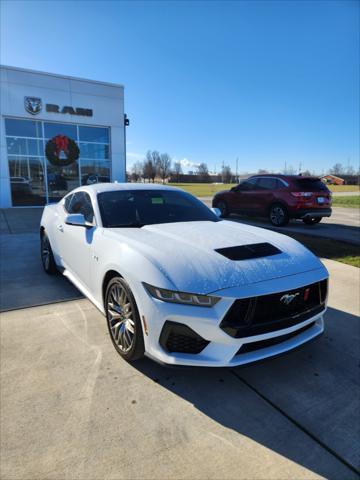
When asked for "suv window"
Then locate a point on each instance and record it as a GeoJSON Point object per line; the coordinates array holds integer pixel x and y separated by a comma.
{"type": "Point", "coordinates": [311, 184]}
{"type": "Point", "coordinates": [249, 184]}
{"type": "Point", "coordinates": [81, 203]}
{"type": "Point", "coordinates": [268, 183]}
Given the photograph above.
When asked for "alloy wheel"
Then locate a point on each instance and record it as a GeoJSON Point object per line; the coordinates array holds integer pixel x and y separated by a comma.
{"type": "Point", "coordinates": [277, 215]}
{"type": "Point", "coordinates": [120, 317]}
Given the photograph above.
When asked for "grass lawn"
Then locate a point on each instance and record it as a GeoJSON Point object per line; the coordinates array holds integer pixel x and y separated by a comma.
{"type": "Point", "coordinates": [344, 188]}
{"type": "Point", "coordinates": [328, 248]}
{"type": "Point", "coordinates": [209, 189]}
{"type": "Point", "coordinates": [202, 189]}
{"type": "Point", "coordinates": [351, 201]}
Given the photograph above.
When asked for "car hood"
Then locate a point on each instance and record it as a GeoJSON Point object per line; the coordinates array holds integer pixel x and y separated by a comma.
{"type": "Point", "coordinates": [185, 253]}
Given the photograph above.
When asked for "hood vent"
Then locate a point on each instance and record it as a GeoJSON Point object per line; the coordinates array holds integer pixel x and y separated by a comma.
{"type": "Point", "coordinates": [246, 252]}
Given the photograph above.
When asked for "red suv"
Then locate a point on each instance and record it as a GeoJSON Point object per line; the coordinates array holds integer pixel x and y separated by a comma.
{"type": "Point", "coordinates": [279, 197]}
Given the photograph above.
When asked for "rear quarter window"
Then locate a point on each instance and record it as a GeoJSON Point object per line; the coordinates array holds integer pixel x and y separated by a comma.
{"type": "Point", "coordinates": [311, 184]}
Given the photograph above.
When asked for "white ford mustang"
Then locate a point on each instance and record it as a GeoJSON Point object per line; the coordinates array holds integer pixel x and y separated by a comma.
{"type": "Point", "coordinates": [179, 284]}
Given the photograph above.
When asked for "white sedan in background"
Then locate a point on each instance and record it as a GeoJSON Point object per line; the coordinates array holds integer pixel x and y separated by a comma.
{"type": "Point", "coordinates": [179, 284]}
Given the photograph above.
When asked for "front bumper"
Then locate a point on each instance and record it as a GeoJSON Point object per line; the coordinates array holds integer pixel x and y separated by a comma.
{"type": "Point", "coordinates": [220, 349]}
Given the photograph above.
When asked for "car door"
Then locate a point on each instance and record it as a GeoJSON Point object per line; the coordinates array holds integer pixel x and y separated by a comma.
{"type": "Point", "coordinates": [243, 198]}
{"type": "Point", "coordinates": [76, 245]}
{"type": "Point", "coordinates": [267, 187]}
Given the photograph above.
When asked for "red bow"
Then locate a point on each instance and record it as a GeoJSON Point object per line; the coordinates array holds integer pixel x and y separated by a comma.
{"type": "Point", "coordinates": [61, 143]}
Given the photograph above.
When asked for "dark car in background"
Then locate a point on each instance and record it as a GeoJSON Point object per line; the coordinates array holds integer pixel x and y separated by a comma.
{"type": "Point", "coordinates": [20, 185]}
{"type": "Point", "coordinates": [278, 197]}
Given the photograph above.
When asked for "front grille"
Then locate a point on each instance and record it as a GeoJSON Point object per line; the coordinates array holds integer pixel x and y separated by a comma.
{"type": "Point", "coordinates": [267, 313]}
{"type": "Point", "coordinates": [177, 337]}
{"type": "Point", "coordinates": [251, 347]}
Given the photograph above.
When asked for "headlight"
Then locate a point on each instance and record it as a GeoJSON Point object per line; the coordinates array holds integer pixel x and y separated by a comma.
{"type": "Point", "coordinates": [181, 297]}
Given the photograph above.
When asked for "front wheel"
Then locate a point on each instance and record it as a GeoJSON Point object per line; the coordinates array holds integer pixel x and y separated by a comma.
{"type": "Point", "coordinates": [123, 320]}
{"type": "Point", "coordinates": [312, 220]}
{"type": "Point", "coordinates": [47, 256]}
{"type": "Point", "coordinates": [279, 215]}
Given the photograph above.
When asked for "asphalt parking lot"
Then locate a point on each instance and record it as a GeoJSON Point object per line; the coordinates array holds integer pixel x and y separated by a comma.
{"type": "Point", "coordinates": [344, 224]}
{"type": "Point", "coordinates": [71, 408]}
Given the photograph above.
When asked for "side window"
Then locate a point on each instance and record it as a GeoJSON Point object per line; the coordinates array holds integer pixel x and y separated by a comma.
{"type": "Point", "coordinates": [268, 183]}
{"type": "Point", "coordinates": [67, 203]}
{"type": "Point", "coordinates": [279, 184]}
{"type": "Point", "coordinates": [248, 185]}
{"type": "Point", "coordinates": [81, 203]}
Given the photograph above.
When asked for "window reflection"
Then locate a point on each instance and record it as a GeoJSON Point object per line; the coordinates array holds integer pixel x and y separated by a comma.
{"type": "Point", "coordinates": [23, 128]}
{"type": "Point", "coordinates": [27, 180]}
{"type": "Point", "coordinates": [93, 134]}
{"type": "Point", "coordinates": [95, 172]}
{"type": "Point", "coordinates": [26, 143]}
{"type": "Point", "coordinates": [61, 180]}
{"type": "Point", "coordinates": [24, 146]}
{"type": "Point", "coordinates": [53, 129]}
{"type": "Point", "coordinates": [94, 150]}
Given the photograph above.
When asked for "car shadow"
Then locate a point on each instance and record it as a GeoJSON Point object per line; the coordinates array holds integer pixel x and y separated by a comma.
{"type": "Point", "coordinates": [309, 395]}
{"type": "Point", "coordinates": [336, 231]}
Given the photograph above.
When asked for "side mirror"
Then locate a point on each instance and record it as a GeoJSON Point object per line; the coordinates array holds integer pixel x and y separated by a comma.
{"type": "Point", "coordinates": [77, 220]}
{"type": "Point", "coordinates": [216, 211]}
{"type": "Point", "coordinates": [235, 189]}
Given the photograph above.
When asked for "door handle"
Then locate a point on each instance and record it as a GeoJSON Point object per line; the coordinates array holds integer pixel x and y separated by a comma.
{"type": "Point", "coordinates": [60, 228]}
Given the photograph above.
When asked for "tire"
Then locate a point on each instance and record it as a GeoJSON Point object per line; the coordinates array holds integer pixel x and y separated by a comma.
{"type": "Point", "coordinates": [312, 220]}
{"type": "Point", "coordinates": [123, 320]}
{"type": "Point", "coordinates": [279, 215]}
{"type": "Point", "coordinates": [223, 207]}
{"type": "Point", "coordinates": [47, 256]}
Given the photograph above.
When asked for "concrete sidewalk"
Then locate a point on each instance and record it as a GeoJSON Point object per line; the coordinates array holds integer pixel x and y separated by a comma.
{"type": "Point", "coordinates": [72, 409]}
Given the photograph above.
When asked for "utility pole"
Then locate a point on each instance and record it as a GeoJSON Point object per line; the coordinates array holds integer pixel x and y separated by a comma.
{"type": "Point", "coordinates": [236, 172]}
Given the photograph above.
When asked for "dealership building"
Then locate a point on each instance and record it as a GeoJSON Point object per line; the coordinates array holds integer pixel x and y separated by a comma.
{"type": "Point", "coordinates": [57, 133]}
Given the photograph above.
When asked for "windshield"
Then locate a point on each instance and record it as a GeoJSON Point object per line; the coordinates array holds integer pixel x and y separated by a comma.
{"type": "Point", "coordinates": [136, 208]}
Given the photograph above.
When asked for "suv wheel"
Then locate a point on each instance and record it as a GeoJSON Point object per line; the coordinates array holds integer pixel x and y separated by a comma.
{"type": "Point", "coordinates": [224, 209]}
{"type": "Point", "coordinates": [279, 215]}
{"type": "Point", "coordinates": [312, 220]}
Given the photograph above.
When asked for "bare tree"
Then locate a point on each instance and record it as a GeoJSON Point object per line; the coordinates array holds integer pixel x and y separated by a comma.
{"type": "Point", "coordinates": [177, 170]}
{"type": "Point", "coordinates": [226, 174]}
{"type": "Point", "coordinates": [262, 171]}
{"type": "Point", "coordinates": [350, 170]}
{"type": "Point", "coordinates": [203, 172]}
{"type": "Point", "coordinates": [337, 169]}
{"type": "Point", "coordinates": [164, 166]}
{"type": "Point", "coordinates": [150, 165]}
{"type": "Point", "coordinates": [136, 171]}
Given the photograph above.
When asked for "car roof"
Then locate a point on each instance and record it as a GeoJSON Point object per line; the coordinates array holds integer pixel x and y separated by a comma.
{"type": "Point", "coordinates": [111, 187]}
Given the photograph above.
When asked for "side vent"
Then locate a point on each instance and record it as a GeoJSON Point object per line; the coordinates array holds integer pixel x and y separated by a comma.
{"type": "Point", "coordinates": [246, 252]}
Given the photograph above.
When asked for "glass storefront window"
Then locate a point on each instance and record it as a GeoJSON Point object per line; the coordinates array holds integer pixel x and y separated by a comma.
{"type": "Point", "coordinates": [94, 150]}
{"type": "Point", "coordinates": [23, 128]}
{"type": "Point", "coordinates": [24, 146]}
{"type": "Point", "coordinates": [53, 129]}
{"type": "Point", "coordinates": [26, 141]}
{"type": "Point", "coordinates": [27, 180]}
{"type": "Point", "coordinates": [95, 172]}
{"type": "Point", "coordinates": [93, 134]}
{"type": "Point", "coordinates": [61, 180]}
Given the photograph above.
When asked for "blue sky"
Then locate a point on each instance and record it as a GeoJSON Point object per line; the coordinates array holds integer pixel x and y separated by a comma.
{"type": "Point", "coordinates": [267, 82]}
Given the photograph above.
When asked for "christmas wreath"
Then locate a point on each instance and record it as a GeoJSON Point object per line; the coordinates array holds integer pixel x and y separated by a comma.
{"type": "Point", "coordinates": [61, 151]}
